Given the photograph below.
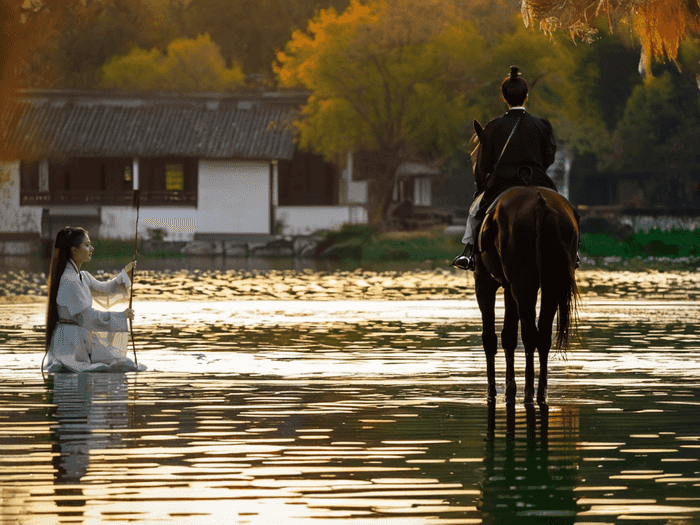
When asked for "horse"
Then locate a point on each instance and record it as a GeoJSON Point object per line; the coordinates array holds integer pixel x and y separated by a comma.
{"type": "Point", "coordinates": [528, 245]}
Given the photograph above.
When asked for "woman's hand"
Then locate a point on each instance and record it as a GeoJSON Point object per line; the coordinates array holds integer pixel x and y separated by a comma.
{"type": "Point", "coordinates": [129, 313]}
{"type": "Point", "coordinates": [129, 266]}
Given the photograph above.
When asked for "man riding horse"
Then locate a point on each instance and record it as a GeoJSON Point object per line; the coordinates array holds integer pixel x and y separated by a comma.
{"type": "Point", "coordinates": [527, 243]}
{"type": "Point", "coordinates": [516, 150]}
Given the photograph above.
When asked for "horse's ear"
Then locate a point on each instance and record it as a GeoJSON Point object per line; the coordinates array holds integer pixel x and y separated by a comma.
{"type": "Point", "coordinates": [478, 128]}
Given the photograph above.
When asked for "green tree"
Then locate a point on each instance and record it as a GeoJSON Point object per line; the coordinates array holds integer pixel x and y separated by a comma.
{"type": "Point", "coordinates": [559, 89]}
{"type": "Point", "coordinates": [656, 140]}
{"type": "Point", "coordinates": [187, 65]}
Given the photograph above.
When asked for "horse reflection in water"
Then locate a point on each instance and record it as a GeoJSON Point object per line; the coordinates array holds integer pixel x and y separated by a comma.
{"type": "Point", "coordinates": [84, 405]}
{"type": "Point", "coordinates": [522, 482]}
{"type": "Point", "coordinates": [528, 244]}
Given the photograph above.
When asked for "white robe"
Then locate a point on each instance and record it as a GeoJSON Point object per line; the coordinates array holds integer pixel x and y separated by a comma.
{"type": "Point", "coordinates": [98, 341]}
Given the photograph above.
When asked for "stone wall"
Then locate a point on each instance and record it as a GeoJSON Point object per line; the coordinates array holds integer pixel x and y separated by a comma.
{"type": "Point", "coordinates": [279, 246]}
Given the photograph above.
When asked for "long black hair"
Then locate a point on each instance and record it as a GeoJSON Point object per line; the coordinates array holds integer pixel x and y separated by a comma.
{"type": "Point", "coordinates": [66, 239]}
{"type": "Point", "coordinates": [514, 88]}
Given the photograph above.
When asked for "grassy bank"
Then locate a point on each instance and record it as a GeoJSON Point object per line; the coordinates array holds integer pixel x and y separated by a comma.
{"type": "Point", "coordinates": [116, 249]}
{"type": "Point", "coordinates": [658, 250]}
{"type": "Point", "coordinates": [677, 249]}
{"type": "Point", "coordinates": [655, 243]}
{"type": "Point", "coordinates": [653, 250]}
{"type": "Point", "coordinates": [365, 243]}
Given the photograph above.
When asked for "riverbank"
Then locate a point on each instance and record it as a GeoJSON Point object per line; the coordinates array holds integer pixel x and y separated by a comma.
{"type": "Point", "coordinates": [355, 263]}
{"type": "Point", "coordinates": [360, 245]}
{"type": "Point", "coordinates": [420, 283]}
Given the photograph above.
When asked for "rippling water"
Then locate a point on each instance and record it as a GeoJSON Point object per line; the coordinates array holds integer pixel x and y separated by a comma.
{"type": "Point", "coordinates": [358, 411]}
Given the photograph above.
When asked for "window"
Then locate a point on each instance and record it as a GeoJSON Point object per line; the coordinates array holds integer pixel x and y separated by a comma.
{"type": "Point", "coordinates": [174, 177]}
{"type": "Point", "coordinates": [109, 181]}
{"type": "Point", "coordinates": [168, 181]}
{"type": "Point", "coordinates": [76, 180]}
{"type": "Point", "coordinates": [29, 176]}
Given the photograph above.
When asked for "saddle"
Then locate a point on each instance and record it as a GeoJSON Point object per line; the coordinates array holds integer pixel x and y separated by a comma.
{"type": "Point", "coordinates": [490, 210]}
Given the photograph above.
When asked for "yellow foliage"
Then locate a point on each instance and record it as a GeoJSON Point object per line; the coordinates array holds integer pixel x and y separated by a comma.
{"type": "Point", "coordinates": [382, 74]}
{"type": "Point", "coordinates": [661, 25]}
{"type": "Point", "coordinates": [188, 65]}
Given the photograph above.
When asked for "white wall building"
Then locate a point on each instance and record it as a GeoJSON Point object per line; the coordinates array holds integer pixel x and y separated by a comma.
{"type": "Point", "coordinates": [210, 166]}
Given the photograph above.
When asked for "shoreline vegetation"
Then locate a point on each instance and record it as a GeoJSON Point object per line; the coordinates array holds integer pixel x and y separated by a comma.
{"type": "Point", "coordinates": [359, 263]}
{"type": "Point", "coordinates": [357, 244]}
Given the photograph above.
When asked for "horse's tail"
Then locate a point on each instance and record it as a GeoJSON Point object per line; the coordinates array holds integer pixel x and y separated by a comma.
{"type": "Point", "coordinates": [556, 270]}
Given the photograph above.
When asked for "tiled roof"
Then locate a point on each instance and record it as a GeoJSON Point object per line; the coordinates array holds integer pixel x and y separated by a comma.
{"type": "Point", "coordinates": [49, 123]}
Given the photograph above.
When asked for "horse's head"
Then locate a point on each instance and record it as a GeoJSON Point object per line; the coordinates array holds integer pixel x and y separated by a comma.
{"type": "Point", "coordinates": [474, 148]}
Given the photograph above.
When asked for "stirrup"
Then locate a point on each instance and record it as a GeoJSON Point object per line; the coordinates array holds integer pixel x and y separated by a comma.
{"type": "Point", "coordinates": [465, 261]}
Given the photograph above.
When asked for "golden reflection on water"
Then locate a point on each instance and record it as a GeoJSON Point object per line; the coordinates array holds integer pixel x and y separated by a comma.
{"type": "Point", "coordinates": [20, 285]}
{"type": "Point", "coordinates": [354, 411]}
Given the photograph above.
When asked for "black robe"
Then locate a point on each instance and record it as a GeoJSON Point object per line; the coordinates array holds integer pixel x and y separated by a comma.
{"type": "Point", "coordinates": [525, 161]}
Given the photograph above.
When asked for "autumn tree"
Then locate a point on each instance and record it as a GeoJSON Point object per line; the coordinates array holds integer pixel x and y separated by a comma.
{"type": "Point", "coordinates": [401, 79]}
{"type": "Point", "coordinates": [251, 31]}
{"type": "Point", "coordinates": [661, 25]}
{"type": "Point", "coordinates": [386, 77]}
{"type": "Point", "coordinates": [23, 32]}
{"type": "Point", "coordinates": [187, 65]}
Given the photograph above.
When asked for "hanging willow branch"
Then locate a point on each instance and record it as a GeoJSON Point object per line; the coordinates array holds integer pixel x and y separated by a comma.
{"type": "Point", "coordinates": [661, 25]}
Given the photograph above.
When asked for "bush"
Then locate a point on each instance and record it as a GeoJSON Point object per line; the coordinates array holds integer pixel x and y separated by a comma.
{"type": "Point", "coordinates": [601, 245]}
{"type": "Point", "coordinates": [654, 243]}
{"type": "Point", "coordinates": [416, 246]}
{"type": "Point", "coordinates": [363, 242]}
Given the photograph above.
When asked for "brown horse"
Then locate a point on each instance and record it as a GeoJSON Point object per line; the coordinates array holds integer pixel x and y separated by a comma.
{"type": "Point", "coordinates": [528, 245]}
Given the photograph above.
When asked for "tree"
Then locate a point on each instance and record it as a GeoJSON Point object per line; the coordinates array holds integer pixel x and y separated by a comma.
{"type": "Point", "coordinates": [560, 84]}
{"type": "Point", "coordinates": [187, 65]}
{"type": "Point", "coordinates": [656, 140]}
{"type": "Point", "coordinates": [251, 31]}
{"type": "Point", "coordinates": [386, 77]}
{"type": "Point", "coordinates": [661, 25]}
{"type": "Point", "coordinates": [21, 38]}
{"type": "Point", "coordinates": [401, 79]}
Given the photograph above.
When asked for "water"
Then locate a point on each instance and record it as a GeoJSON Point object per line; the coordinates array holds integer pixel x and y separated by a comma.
{"type": "Point", "coordinates": [351, 410]}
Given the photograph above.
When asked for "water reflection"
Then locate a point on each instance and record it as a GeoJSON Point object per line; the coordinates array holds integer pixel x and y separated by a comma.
{"type": "Point", "coordinates": [289, 411]}
{"type": "Point", "coordinates": [208, 448]}
{"type": "Point", "coordinates": [210, 279]}
{"type": "Point", "coordinates": [89, 410]}
{"type": "Point", "coordinates": [523, 479]}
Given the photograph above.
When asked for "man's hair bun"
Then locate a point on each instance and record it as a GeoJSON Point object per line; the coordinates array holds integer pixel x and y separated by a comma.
{"type": "Point", "coordinates": [514, 88]}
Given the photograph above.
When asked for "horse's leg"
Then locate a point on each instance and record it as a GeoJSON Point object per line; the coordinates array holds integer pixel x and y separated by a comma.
{"type": "Point", "coordinates": [509, 340]}
{"type": "Point", "coordinates": [548, 309]}
{"type": "Point", "coordinates": [486, 297]}
{"type": "Point", "coordinates": [525, 295]}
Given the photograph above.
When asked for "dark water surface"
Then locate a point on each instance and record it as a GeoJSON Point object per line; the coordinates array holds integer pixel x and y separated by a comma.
{"type": "Point", "coordinates": [357, 411]}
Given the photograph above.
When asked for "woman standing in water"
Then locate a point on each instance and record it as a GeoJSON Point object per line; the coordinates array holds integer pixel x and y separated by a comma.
{"type": "Point", "coordinates": [80, 338]}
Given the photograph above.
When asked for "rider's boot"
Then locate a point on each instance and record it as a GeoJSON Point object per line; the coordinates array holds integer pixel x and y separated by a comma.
{"type": "Point", "coordinates": [465, 261]}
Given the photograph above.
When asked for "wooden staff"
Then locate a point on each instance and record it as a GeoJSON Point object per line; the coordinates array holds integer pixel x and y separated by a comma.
{"type": "Point", "coordinates": [131, 293]}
